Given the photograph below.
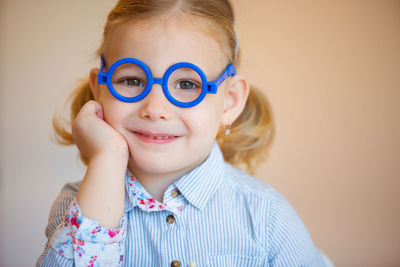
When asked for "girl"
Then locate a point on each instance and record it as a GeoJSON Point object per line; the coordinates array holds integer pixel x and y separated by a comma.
{"type": "Point", "coordinates": [151, 124]}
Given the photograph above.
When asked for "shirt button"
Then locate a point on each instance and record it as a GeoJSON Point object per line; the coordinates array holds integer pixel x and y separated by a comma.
{"type": "Point", "coordinates": [171, 220]}
{"type": "Point", "coordinates": [175, 264]}
{"type": "Point", "coordinates": [175, 193]}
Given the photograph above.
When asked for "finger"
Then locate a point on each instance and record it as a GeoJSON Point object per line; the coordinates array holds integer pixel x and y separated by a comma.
{"type": "Point", "coordinates": [93, 107]}
{"type": "Point", "coordinates": [99, 111]}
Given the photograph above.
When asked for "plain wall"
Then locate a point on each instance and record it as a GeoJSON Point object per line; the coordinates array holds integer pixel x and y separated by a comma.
{"type": "Point", "coordinates": [331, 70]}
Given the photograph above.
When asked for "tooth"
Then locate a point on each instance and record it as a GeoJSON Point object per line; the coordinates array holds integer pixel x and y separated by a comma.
{"type": "Point", "coordinates": [156, 137]}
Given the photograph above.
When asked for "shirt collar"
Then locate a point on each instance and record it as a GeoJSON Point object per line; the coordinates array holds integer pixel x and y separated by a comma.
{"type": "Point", "coordinates": [196, 186]}
{"type": "Point", "coordinates": [200, 184]}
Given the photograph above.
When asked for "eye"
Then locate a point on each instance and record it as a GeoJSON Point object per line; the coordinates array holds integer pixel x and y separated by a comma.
{"type": "Point", "coordinates": [185, 84]}
{"type": "Point", "coordinates": [132, 82]}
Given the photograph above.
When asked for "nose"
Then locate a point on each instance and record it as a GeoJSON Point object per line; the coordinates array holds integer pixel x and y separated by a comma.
{"type": "Point", "coordinates": [155, 105]}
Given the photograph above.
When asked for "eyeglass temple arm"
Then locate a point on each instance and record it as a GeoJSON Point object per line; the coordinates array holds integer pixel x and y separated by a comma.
{"type": "Point", "coordinates": [212, 86]}
{"type": "Point", "coordinates": [102, 76]}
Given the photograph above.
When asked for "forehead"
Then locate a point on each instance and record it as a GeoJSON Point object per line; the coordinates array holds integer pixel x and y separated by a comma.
{"type": "Point", "coordinates": [161, 43]}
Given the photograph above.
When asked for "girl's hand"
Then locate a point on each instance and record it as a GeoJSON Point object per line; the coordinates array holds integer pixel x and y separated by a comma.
{"type": "Point", "coordinates": [102, 192]}
{"type": "Point", "coordinates": [94, 137]}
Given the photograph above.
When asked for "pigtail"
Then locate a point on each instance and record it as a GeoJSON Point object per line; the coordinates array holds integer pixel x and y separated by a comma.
{"type": "Point", "coordinates": [251, 134]}
{"type": "Point", "coordinates": [62, 125]}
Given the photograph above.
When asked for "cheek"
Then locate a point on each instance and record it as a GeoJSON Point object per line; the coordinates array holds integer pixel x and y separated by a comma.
{"type": "Point", "coordinates": [217, 109]}
{"type": "Point", "coordinates": [205, 121]}
{"type": "Point", "coordinates": [113, 112]}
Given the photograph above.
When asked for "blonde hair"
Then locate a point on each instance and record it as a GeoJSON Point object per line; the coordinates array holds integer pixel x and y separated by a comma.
{"type": "Point", "coordinates": [251, 133]}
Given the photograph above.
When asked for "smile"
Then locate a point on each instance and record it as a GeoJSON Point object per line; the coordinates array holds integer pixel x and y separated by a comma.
{"type": "Point", "coordinates": [155, 138]}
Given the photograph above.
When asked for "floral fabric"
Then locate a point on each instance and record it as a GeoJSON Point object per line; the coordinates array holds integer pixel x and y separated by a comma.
{"type": "Point", "coordinates": [83, 239]}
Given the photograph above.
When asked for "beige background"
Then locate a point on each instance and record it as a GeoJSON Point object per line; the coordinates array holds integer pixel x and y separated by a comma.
{"type": "Point", "coordinates": [331, 70]}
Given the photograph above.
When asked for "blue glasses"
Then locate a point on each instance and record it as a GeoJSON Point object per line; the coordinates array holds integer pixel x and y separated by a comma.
{"type": "Point", "coordinates": [184, 84]}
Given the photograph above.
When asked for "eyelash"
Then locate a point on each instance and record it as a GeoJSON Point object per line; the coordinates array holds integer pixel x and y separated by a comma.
{"type": "Point", "coordinates": [125, 79]}
{"type": "Point", "coordinates": [195, 84]}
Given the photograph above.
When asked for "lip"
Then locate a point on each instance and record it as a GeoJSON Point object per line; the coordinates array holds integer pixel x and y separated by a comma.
{"type": "Point", "coordinates": [155, 138]}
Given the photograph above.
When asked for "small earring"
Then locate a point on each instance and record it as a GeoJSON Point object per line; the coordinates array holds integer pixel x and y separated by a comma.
{"type": "Point", "coordinates": [228, 130]}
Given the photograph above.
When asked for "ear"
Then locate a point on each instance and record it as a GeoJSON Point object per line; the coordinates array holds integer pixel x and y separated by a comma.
{"type": "Point", "coordinates": [235, 98]}
{"type": "Point", "coordinates": [94, 86]}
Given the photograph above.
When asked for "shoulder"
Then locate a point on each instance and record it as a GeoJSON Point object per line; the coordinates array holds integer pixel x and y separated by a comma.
{"type": "Point", "coordinates": [67, 194]}
{"type": "Point", "coordinates": [278, 226]}
{"type": "Point", "coordinates": [245, 184]}
{"type": "Point", "coordinates": [61, 203]}
{"type": "Point", "coordinates": [262, 202]}
{"type": "Point", "coordinates": [260, 194]}
{"type": "Point", "coordinates": [60, 207]}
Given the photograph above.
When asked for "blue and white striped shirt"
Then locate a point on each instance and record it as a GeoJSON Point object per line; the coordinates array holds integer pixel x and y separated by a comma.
{"type": "Point", "coordinates": [215, 215]}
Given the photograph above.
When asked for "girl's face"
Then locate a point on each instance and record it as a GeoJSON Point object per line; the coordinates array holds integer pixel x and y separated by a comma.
{"type": "Point", "coordinates": [164, 139]}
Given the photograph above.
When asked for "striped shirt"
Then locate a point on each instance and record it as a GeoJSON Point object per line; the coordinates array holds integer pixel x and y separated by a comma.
{"type": "Point", "coordinates": [215, 215]}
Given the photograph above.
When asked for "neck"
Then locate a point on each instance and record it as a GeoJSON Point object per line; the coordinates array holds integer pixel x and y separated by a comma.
{"type": "Point", "coordinates": [155, 184]}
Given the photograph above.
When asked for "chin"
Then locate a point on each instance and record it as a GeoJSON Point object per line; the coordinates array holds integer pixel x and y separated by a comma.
{"type": "Point", "coordinates": [153, 167]}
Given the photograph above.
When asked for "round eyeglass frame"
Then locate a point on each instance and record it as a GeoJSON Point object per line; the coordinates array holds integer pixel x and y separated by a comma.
{"type": "Point", "coordinates": [210, 87]}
